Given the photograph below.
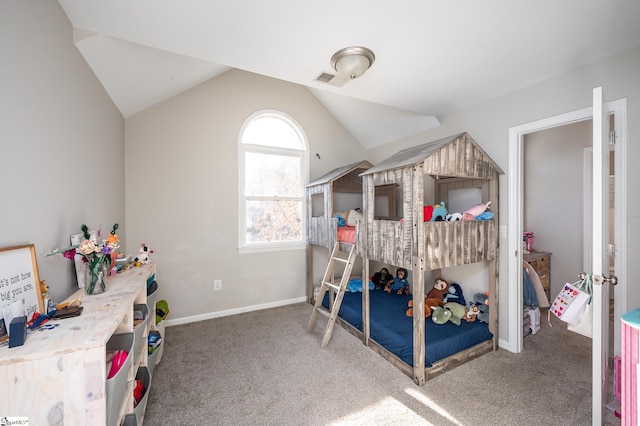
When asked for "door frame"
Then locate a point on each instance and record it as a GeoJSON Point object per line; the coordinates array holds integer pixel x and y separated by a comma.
{"type": "Point", "coordinates": [515, 208]}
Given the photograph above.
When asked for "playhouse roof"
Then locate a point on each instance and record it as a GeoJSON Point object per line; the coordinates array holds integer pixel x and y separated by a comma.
{"type": "Point", "coordinates": [456, 156]}
{"type": "Point", "coordinates": [341, 172]}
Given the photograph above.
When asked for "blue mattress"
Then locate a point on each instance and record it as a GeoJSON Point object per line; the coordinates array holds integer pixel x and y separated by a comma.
{"type": "Point", "coordinates": [393, 329]}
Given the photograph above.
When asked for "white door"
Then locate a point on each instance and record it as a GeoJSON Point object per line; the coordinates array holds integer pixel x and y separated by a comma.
{"type": "Point", "coordinates": [600, 256]}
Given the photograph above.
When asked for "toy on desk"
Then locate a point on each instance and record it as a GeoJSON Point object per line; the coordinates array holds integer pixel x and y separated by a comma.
{"type": "Point", "coordinates": [37, 320]}
{"type": "Point", "coordinates": [46, 299]}
{"type": "Point", "coordinates": [71, 308]}
{"type": "Point", "coordinates": [143, 256]}
{"type": "Point", "coordinates": [68, 312]}
{"type": "Point", "coordinates": [70, 303]}
{"type": "Point", "coordinates": [44, 288]}
{"type": "Point", "coordinates": [17, 331]}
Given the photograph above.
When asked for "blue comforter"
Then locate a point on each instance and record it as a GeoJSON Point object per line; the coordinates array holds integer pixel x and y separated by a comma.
{"type": "Point", "coordinates": [392, 329]}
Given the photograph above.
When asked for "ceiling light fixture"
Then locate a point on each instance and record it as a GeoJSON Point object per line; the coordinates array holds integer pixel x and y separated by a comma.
{"type": "Point", "coordinates": [353, 61]}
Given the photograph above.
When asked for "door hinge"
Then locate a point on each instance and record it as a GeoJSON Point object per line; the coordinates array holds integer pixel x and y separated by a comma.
{"type": "Point", "coordinates": [612, 137]}
{"type": "Point", "coordinates": [612, 250]}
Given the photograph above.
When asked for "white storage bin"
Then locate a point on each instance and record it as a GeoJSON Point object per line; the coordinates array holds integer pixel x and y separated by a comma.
{"type": "Point", "coordinates": [153, 357]}
{"type": "Point", "coordinates": [130, 420]}
{"type": "Point", "coordinates": [139, 340]}
{"type": "Point", "coordinates": [160, 328]}
{"type": "Point", "coordinates": [143, 374]}
{"type": "Point", "coordinates": [117, 385]}
{"type": "Point", "coordinates": [152, 292]}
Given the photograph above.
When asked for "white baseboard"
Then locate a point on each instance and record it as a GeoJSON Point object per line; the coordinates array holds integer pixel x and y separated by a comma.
{"type": "Point", "coordinates": [504, 344]}
{"type": "Point", "coordinates": [210, 315]}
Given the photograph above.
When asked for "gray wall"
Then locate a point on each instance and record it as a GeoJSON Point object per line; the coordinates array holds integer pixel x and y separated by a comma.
{"type": "Point", "coordinates": [61, 140]}
{"type": "Point", "coordinates": [182, 187]}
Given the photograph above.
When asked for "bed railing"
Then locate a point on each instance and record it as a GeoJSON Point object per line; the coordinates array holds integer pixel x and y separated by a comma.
{"type": "Point", "coordinates": [444, 244]}
{"type": "Point", "coordinates": [322, 231]}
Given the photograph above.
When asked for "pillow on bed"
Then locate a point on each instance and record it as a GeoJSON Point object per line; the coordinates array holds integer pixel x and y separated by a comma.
{"type": "Point", "coordinates": [353, 217]}
{"type": "Point", "coordinates": [343, 215]}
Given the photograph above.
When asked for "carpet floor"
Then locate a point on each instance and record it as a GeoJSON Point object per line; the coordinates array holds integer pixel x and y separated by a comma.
{"type": "Point", "coordinates": [262, 368]}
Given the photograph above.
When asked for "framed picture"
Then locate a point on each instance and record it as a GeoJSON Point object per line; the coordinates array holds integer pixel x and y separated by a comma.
{"type": "Point", "coordinates": [80, 266]}
{"type": "Point", "coordinates": [20, 292]}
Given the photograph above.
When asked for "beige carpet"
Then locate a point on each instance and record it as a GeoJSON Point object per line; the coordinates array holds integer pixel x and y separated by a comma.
{"type": "Point", "coordinates": [262, 368]}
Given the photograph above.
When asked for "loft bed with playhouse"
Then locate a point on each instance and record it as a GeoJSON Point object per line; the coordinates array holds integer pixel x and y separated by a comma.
{"type": "Point", "coordinates": [428, 338]}
{"type": "Point", "coordinates": [334, 205]}
{"type": "Point", "coordinates": [321, 202]}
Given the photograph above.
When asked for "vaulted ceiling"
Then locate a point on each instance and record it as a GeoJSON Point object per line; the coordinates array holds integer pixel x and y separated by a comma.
{"type": "Point", "coordinates": [432, 57]}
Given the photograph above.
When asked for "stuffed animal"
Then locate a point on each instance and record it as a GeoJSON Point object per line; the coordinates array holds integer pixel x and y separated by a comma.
{"type": "Point", "coordinates": [440, 315]}
{"type": "Point", "coordinates": [433, 302]}
{"type": "Point", "coordinates": [485, 216]}
{"type": "Point", "coordinates": [439, 212]}
{"type": "Point", "coordinates": [454, 294]}
{"type": "Point", "coordinates": [481, 300]}
{"type": "Point", "coordinates": [354, 216]}
{"type": "Point", "coordinates": [472, 313]}
{"type": "Point", "coordinates": [44, 288]}
{"type": "Point", "coordinates": [458, 311]}
{"type": "Point", "coordinates": [439, 290]}
{"type": "Point", "coordinates": [355, 285]}
{"type": "Point", "coordinates": [399, 284]}
{"type": "Point", "coordinates": [427, 213]}
{"type": "Point", "coordinates": [143, 255]}
{"type": "Point", "coordinates": [452, 217]}
{"type": "Point", "coordinates": [409, 313]}
{"type": "Point", "coordinates": [429, 304]}
{"type": "Point", "coordinates": [380, 279]}
{"type": "Point", "coordinates": [477, 209]}
{"type": "Point", "coordinates": [451, 311]}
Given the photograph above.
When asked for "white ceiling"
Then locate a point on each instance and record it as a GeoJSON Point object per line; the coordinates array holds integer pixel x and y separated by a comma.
{"type": "Point", "coordinates": [433, 57]}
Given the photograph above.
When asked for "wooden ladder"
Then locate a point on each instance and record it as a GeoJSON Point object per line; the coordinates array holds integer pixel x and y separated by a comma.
{"type": "Point", "coordinates": [329, 283]}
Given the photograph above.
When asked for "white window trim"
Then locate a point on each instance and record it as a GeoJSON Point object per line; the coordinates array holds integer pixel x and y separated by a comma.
{"type": "Point", "coordinates": [243, 247]}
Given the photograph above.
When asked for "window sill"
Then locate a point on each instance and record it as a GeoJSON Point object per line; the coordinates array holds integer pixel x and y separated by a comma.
{"type": "Point", "coordinates": [268, 248]}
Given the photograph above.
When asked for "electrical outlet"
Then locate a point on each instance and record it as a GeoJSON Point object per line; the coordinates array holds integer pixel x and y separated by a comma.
{"type": "Point", "coordinates": [217, 284]}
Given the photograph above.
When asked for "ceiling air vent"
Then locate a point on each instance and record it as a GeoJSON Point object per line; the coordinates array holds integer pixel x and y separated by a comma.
{"type": "Point", "coordinates": [332, 79]}
{"type": "Point", "coordinates": [325, 77]}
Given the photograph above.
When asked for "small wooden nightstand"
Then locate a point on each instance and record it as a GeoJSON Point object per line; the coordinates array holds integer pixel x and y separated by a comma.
{"type": "Point", "coordinates": [540, 261]}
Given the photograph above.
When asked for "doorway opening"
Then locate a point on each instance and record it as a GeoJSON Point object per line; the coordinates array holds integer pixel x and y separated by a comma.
{"type": "Point", "coordinates": [516, 214]}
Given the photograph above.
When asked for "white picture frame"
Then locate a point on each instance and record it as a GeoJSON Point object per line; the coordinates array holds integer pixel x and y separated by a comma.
{"type": "Point", "coordinates": [19, 283]}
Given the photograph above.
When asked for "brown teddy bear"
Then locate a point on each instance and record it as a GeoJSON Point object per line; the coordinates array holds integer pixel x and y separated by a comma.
{"type": "Point", "coordinates": [439, 290]}
{"type": "Point", "coordinates": [429, 303]}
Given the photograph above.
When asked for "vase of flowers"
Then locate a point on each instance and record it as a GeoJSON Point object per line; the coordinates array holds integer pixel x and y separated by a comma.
{"type": "Point", "coordinates": [95, 278]}
{"type": "Point", "coordinates": [96, 256]}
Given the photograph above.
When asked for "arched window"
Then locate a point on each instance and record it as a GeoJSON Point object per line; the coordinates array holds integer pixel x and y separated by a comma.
{"type": "Point", "coordinates": [272, 158]}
